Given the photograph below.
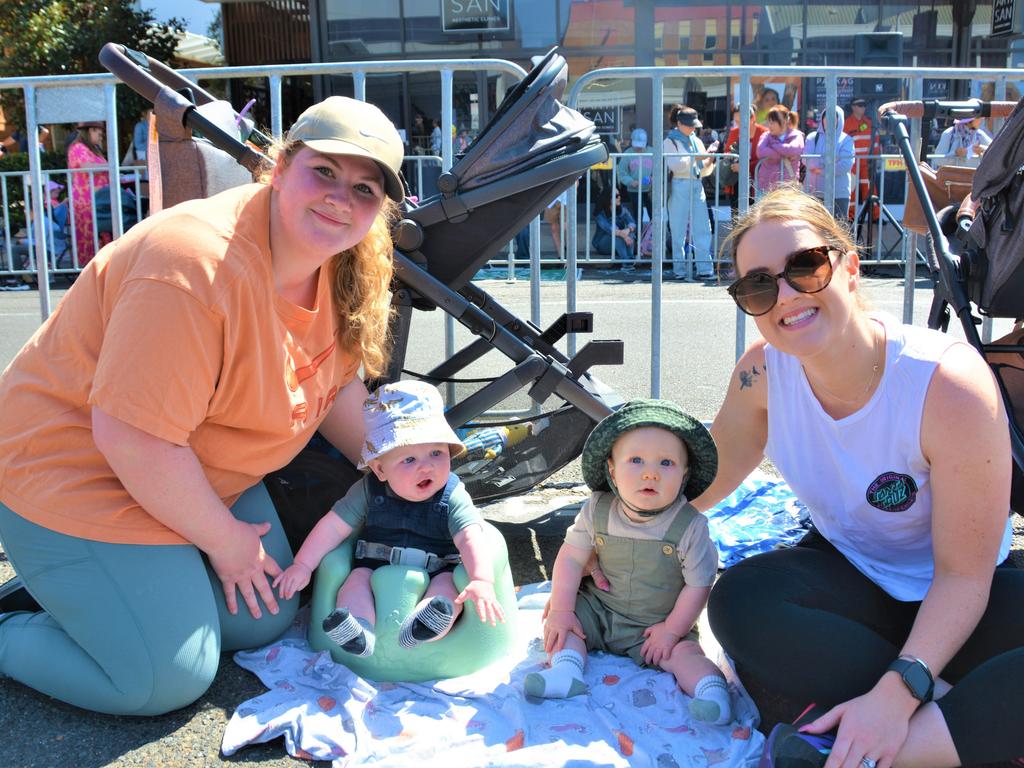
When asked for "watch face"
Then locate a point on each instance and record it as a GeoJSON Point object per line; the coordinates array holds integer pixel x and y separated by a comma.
{"type": "Point", "coordinates": [918, 680]}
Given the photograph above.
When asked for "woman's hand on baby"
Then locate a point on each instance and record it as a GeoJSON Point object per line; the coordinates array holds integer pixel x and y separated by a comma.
{"type": "Point", "coordinates": [294, 579]}
{"type": "Point", "coordinates": [481, 594]}
{"type": "Point", "coordinates": [659, 644]}
{"type": "Point", "coordinates": [558, 625]}
{"type": "Point", "coordinates": [593, 570]}
{"type": "Point", "coordinates": [242, 564]}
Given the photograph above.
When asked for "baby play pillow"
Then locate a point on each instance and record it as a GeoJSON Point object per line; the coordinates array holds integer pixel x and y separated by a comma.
{"type": "Point", "coordinates": [471, 645]}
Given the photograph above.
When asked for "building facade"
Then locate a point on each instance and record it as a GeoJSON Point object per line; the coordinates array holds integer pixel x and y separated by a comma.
{"type": "Point", "coordinates": [623, 33]}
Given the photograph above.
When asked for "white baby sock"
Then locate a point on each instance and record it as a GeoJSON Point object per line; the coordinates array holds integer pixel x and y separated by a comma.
{"type": "Point", "coordinates": [353, 635]}
{"type": "Point", "coordinates": [710, 702]}
{"type": "Point", "coordinates": [428, 620]}
{"type": "Point", "coordinates": [563, 679]}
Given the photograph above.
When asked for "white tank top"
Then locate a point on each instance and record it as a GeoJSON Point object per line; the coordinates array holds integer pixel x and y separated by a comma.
{"type": "Point", "coordinates": [863, 477]}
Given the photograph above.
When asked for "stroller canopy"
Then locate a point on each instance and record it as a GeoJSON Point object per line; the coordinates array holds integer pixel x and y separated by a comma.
{"type": "Point", "coordinates": [527, 155]}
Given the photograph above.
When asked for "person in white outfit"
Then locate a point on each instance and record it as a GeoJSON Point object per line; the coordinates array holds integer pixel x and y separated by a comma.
{"type": "Point", "coordinates": [686, 157]}
{"type": "Point", "coordinates": [963, 143]}
{"type": "Point", "coordinates": [815, 149]}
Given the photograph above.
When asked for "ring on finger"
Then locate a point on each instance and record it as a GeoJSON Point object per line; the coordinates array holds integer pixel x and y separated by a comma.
{"type": "Point", "coordinates": [867, 762]}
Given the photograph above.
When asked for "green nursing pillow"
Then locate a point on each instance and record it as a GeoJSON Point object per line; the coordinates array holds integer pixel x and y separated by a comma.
{"type": "Point", "coordinates": [471, 644]}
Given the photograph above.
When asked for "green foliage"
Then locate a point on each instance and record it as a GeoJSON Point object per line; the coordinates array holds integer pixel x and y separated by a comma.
{"type": "Point", "coordinates": [61, 37]}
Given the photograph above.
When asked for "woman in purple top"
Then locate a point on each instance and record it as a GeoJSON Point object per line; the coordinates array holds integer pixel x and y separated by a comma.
{"type": "Point", "coordinates": [779, 150]}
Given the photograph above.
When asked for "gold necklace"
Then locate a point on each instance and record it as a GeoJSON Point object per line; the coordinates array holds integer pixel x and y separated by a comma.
{"type": "Point", "coordinates": [874, 374]}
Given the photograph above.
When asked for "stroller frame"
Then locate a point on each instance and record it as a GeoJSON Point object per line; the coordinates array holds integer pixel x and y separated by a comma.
{"type": "Point", "coordinates": [948, 271]}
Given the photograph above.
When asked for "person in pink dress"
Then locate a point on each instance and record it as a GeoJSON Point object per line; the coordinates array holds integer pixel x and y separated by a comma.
{"type": "Point", "coordinates": [86, 151]}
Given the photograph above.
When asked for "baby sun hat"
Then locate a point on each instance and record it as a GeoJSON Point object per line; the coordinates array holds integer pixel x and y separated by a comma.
{"type": "Point", "coordinates": [405, 413]}
{"type": "Point", "coordinates": [703, 455]}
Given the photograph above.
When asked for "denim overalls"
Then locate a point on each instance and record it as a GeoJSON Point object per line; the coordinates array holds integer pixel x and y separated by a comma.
{"type": "Point", "coordinates": [397, 522]}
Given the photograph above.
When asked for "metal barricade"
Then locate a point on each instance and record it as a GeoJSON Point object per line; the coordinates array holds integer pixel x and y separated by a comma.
{"type": "Point", "coordinates": [76, 98]}
{"type": "Point", "coordinates": [92, 97]}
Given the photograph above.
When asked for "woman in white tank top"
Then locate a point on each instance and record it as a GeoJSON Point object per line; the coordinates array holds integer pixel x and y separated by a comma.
{"type": "Point", "coordinates": [896, 439]}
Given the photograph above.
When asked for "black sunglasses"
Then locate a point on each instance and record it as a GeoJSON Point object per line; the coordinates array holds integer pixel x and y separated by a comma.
{"type": "Point", "coordinates": [807, 271]}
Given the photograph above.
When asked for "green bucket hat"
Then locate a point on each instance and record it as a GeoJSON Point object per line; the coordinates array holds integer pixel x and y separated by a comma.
{"type": "Point", "coordinates": [651, 413]}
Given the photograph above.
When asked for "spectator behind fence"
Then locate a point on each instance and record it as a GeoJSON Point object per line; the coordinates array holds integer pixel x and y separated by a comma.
{"type": "Point", "coordinates": [84, 152]}
{"type": "Point", "coordinates": [687, 202]}
{"type": "Point", "coordinates": [815, 149]}
{"type": "Point", "coordinates": [865, 143]}
{"type": "Point", "coordinates": [732, 145]}
{"type": "Point", "coordinates": [779, 150]}
{"type": "Point", "coordinates": [140, 136]}
{"type": "Point", "coordinates": [766, 100]}
{"type": "Point", "coordinates": [196, 354]}
{"type": "Point", "coordinates": [614, 222]}
{"type": "Point", "coordinates": [635, 174]}
{"type": "Point", "coordinates": [963, 143]}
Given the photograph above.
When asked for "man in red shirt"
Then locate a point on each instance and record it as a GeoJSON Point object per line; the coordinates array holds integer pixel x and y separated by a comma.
{"type": "Point", "coordinates": [732, 143]}
{"type": "Point", "coordinates": [858, 125]}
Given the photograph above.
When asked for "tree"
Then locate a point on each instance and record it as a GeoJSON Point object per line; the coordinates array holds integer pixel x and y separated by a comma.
{"type": "Point", "coordinates": [61, 37]}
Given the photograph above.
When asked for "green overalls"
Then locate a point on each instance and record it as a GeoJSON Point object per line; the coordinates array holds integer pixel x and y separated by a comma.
{"type": "Point", "coordinates": [645, 580]}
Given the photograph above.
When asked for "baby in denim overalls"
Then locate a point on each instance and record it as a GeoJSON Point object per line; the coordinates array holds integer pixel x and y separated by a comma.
{"type": "Point", "coordinates": [642, 463]}
{"type": "Point", "coordinates": [413, 511]}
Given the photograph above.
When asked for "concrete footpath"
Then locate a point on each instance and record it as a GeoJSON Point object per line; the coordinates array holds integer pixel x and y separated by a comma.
{"type": "Point", "coordinates": [699, 326]}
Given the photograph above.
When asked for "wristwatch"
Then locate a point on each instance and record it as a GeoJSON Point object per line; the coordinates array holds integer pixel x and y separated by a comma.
{"type": "Point", "coordinates": [916, 676]}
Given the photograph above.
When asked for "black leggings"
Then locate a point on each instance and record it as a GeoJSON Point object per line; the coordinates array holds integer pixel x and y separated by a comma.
{"type": "Point", "coordinates": [806, 624]}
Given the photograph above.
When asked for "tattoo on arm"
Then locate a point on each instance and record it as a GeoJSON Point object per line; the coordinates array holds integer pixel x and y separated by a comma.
{"type": "Point", "coordinates": [749, 378]}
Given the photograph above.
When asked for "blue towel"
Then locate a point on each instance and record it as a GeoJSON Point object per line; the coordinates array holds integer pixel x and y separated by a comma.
{"type": "Point", "coordinates": [761, 515]}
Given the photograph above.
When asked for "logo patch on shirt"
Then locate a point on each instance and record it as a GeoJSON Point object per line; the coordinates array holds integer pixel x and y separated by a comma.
{"type": "Point", "coordinates": [892, 492]}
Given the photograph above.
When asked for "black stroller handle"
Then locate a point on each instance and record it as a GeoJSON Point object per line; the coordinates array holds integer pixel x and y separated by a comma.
{"type": "Point", "coordinates": [931, 108]}
{"type": "Point", "coordinates": [159, 83]}
{"type": "Point", "coordinates": [146, 76]}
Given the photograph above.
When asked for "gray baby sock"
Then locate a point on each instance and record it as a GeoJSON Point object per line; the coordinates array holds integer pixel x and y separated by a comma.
{"type": "Point", "coordinates": [427, 621]}
{"type": "Point", "coordinates": [354, 635]}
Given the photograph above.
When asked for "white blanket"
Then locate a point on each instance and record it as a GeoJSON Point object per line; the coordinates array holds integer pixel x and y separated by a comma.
{"type": "Point", "coordinates": [631, 717]}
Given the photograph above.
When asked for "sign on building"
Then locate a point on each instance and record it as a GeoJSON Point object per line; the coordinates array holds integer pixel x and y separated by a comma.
{"type": "Point", "coordinates": [844, 92]}
{"type": "Point", "coordinates": [1003, 17]}
{"type": "Point", "coordinates": [605, 119]}
{"type": "Point", "coordinates": [476, 15]}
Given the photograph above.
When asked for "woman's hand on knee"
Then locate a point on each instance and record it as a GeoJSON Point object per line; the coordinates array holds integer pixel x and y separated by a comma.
{"type": "Point", "coordinates": [242, 564]}
{"type": "Point", "coordinates": [873, 727]}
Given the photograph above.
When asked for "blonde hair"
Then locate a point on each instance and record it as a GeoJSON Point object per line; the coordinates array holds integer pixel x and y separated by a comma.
{"type": "Point", "coordinates": [789, 203]}
{"type": "Point", "coordinates": [360, 281]}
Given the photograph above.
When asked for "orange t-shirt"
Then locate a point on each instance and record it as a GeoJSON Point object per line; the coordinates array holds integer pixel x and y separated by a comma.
{"type": "Point", "coordinates": [175, 328]}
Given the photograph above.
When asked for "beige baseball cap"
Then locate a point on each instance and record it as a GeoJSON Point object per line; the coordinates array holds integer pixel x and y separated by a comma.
{"type": "Point", "coordinates": [339, 125]}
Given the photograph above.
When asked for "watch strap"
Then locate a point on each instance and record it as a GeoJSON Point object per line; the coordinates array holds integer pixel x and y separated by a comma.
{"type": "Point", "coordinates": [903, 666]}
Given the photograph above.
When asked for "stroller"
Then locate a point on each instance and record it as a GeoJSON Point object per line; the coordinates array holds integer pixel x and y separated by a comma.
{"type": "Point", "coordinates": [976, 250]}
{"type": "Point", "coordinates": [528, 154]}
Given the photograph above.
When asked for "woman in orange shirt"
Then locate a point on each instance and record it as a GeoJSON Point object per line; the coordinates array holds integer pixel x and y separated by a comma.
{"type": "Point", "coordinates": [191, 357]}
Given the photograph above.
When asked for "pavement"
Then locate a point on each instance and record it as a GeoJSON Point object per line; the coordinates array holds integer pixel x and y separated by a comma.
{"type": "Point", "coordinates": [697, 354]}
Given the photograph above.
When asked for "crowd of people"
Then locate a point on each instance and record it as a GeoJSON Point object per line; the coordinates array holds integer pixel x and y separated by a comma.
{"type": "Point", "coordinates": [702, 171]}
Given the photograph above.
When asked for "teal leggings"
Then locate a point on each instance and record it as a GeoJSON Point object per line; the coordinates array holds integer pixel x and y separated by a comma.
{"type": "Point", "coordinates": [129, 629]}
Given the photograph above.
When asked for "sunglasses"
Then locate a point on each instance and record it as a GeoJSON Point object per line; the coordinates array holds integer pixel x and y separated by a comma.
{"type": "Point", "coordinates": [807, 271]}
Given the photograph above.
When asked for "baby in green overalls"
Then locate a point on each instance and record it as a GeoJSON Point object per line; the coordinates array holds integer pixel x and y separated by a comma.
{"type": "Point", "coordinates": [642, 463]}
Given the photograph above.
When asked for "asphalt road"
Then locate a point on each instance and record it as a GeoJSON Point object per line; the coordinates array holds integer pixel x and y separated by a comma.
{"type": "Point", "coordinates": [698, 350]}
